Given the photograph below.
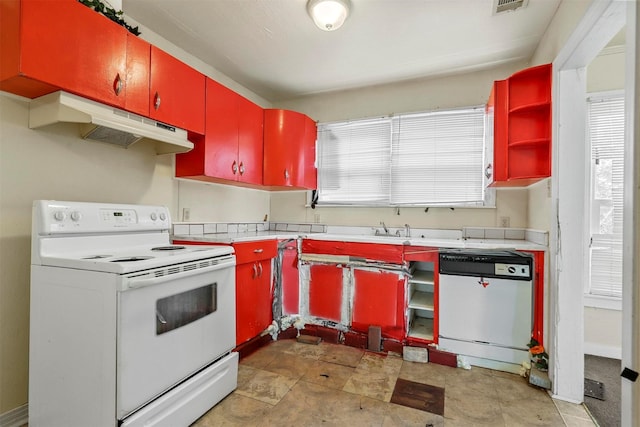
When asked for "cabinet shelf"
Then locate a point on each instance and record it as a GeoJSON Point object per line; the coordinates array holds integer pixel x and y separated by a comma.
{"type": "Point", "coordinates": [421, 301]}
{"type": "Point", "coordinates": [422, 277]}
{"type": "Point", "coordinates": [525, 108]}
{"type": "Point", "coordinates": [529, 142]}
{"type": "Point", "coordinates": [422, 328]}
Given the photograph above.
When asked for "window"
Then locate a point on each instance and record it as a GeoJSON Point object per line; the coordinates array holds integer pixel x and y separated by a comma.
{"type": "Point", "coordinates": [430, 158]}
{"type": "Point", "coordinates": [606, 137]}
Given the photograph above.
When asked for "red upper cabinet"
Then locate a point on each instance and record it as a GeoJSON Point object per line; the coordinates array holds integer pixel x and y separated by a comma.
{"type": "Point", "coordinates": [231, 149]}
{"type": "Point", "coordinates": [520, 110]}
{"type": "Point", "coordinates": [62, 45]}
{"type": "Point", "coordinates": [176, 93]}
{"type": "Point", "coordinates": [288, 137]}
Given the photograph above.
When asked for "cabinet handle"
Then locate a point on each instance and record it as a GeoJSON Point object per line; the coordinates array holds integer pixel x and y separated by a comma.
{"type": "Point", "coordinates": [258, 251]}
{"type": "Point", "coordinates": [286, 174]}
{"type": "Point", "coordinates": [156, 101]}
{"type": "Point", "coordinates": [117, 85]}
{"type": "Point", "coordinates": [255, 270]}
{"type": "Point", "coordinates": [260, 273]}
{"type": "Point", "coordinates": [241, 168]}
{"type": "Point", "coordinates": [487, 171]}
{"type": "Point", "coordinates": [234, 167]}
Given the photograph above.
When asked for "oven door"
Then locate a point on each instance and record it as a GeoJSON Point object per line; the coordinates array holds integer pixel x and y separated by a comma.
{"type": "Point", "coordinates": [172, 322]}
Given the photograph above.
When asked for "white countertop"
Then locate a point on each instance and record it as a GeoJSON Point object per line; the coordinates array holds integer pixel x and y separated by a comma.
{"type": "Point", "coordinates": [229, 238]}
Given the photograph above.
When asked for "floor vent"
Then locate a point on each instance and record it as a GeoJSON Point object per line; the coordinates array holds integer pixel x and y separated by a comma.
{"type": "Point", "coordinates": [593, 389]}
{"type": "Point", "coordinates": [500, 6]}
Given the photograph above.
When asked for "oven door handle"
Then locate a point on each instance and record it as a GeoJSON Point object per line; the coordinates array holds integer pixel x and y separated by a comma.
{"type": "Point", "coordinates": [138, 282]}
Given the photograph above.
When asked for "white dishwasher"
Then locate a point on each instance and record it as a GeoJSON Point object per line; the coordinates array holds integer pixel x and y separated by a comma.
{"type": "Point", "coordinates": [485, 306]}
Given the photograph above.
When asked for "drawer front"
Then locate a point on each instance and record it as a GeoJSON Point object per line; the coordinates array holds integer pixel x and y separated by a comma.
{"type": "Point", "coordinates": [255, 251]}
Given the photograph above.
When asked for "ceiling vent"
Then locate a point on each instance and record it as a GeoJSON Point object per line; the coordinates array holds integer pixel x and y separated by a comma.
{"type": "Point", "coordinates": [500, 6]}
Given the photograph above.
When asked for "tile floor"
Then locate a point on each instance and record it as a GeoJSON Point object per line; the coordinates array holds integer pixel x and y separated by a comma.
{"type": "Point", "coordinates": [292, 384]}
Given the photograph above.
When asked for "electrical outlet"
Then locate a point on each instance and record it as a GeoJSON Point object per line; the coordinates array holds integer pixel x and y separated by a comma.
{"type": "Point", "coordinates": [505, 221]}
{"type": "Point", "coordinates": [186, 214]}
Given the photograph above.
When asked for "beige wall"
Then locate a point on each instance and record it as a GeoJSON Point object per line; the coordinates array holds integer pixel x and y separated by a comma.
{"type": "Point", "coordinates": [416, 95]}
{"type": "Point", "coordinates": [54, 163]}
{"type": "Point", "coordinates": [565, 20]}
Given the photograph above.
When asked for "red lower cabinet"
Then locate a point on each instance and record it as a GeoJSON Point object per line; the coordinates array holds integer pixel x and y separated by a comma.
{"type": "Point", "coordinates": [378, 300]}
{"type": "Point", "coordinates": [325, 292]}
{"type": "Point", "coordinates": [254, 290]}
{"type": "Point", "coordinates": [253, 299]}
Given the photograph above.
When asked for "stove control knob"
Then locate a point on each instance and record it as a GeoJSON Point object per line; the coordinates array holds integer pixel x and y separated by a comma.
{"type": "Point", "coordinates": [75, 216]}
{"type": "Point", "coordinates": [154, 216]}
{"type": "Point", "coordinates": [59, 216]}
{"type": "Point", "coordinates": [163, 216]}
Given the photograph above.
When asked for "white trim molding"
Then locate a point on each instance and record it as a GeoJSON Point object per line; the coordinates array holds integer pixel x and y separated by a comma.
{"type": "Point", "coordinates": [601, 350]}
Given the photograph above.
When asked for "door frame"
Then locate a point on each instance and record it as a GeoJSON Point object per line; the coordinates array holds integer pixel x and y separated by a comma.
{"type": "Point", "coordinates": [568, 234]}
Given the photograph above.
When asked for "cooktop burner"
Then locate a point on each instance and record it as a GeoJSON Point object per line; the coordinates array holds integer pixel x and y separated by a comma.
{"type": "Point", "coordinates": [168, 248]}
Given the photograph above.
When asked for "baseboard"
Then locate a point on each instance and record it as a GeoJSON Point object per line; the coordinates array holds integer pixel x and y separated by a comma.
{"type": "Point", "coordinates": [16, 417]}
{"type": "Point", "coordinates": [609, 351]}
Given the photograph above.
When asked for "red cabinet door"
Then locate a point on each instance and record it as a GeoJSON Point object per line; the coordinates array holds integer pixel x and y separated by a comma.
{"type": "Point", "coordinates": [325, 292]}
{"type": "Point", "coordinates": [250, 145]}
{"type": "Point", "coordinates": [290, 279]}
{"type": "Point", "coordinates": [283, 147]}
{"type": "Point", "coordinates": [221, 133]}
{"type": "Point", "coordinates": [378, 300]}
{"type": "Point", "coordinates": [62, 45]}
{"type": "Point", "coordinates": [176, 93]}
{"type": "Point", "coordinates": [309, 173]}
{"type": "Point", "coordinates": [137, 75]}
{"type": "Point", "coordinates": [253, 299]}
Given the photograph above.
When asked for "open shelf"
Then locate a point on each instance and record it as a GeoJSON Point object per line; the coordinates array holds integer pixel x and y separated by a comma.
{"type": "Point", "coordinates": [422, 328]}
{"type": "Point", "coordinates": [529, 142]}
{"type": "Point", "coordinates": [422, 277]}
{"type": "Point", "coordinates": [529, 107]}
{"type": "Point", "coordinates": [421, 301]}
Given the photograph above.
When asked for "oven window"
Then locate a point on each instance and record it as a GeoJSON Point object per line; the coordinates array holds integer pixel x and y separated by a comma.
{"type": "Point", "coordinates": [181, 309]}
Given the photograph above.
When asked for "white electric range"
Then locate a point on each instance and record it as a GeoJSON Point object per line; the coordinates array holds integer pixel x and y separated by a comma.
{"type": "Point", "coordinates": [126, 328]}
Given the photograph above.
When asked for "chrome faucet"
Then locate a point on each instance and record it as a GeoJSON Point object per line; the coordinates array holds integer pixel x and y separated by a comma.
{"type": "Point", "coordinates": [386, 230]}
{"type": "Point", "coordinates": [407, 230]}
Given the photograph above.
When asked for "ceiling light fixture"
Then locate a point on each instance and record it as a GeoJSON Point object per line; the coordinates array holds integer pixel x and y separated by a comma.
{"type": "Point", "coordinates": [328, 15]}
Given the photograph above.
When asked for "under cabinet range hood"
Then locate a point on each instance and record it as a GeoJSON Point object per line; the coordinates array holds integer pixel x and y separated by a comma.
{"type": "Point", "coordinates": [103, 123]}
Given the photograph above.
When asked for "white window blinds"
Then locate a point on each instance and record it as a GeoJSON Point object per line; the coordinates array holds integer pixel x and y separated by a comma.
{"type": "Point", "coordinates": [606, 136]}
{"type": "Point", "coordinates": [353, 162]}
{"type": "Point", "coordinates": [411, 159]}
{"type": "Point", "coordinates": [438, 157]}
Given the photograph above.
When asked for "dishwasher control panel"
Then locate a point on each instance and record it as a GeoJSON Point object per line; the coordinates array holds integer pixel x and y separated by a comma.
{"type": "Point", "coordinates": [512, 270]}
{"type": "Point", "coordinates": [487, 263]}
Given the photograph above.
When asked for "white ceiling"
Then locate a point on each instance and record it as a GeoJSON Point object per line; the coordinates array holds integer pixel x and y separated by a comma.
{"type": "Point", "coordinates": [273, 48]}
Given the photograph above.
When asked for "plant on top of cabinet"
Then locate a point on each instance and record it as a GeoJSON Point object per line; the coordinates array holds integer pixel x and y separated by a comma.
{"type": "Point", "coordinates": [519, 115]}
{"type": "Point", "coordinates": [111, 13]}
